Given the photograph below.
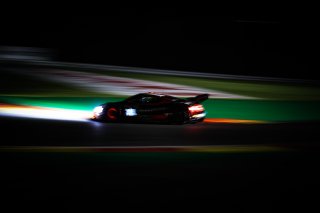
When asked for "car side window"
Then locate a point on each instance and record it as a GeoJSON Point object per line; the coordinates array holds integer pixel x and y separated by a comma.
{"type": "Point", "coordinates": [149, 100]}
{"type": "Point", "coordinates": [142, 99]}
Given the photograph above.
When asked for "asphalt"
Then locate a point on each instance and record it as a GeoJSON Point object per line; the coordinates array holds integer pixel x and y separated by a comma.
{"type": "Point", "coordinates": [158, 181]}
{"type": "Point", "coordinates": [42, 132]}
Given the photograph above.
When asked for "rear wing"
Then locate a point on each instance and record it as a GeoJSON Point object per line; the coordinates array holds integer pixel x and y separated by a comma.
{"type": "Point", "coordinates": [198, 98]}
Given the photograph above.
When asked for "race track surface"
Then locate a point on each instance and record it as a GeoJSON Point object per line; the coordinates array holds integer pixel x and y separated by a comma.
{"type": "Point", "coordinates": [42, 132]}
{"type": "Point", "coordinates": [41, 171]}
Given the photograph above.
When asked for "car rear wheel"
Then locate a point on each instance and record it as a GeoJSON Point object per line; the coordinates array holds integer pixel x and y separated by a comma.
{"type": "Point", "coordinates": [180, 118]}
{"type": "Point", "coordinates": [185, 117]}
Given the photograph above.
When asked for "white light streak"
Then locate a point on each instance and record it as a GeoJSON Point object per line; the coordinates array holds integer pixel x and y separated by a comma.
{"type": "Point", "coordinates": [45, 113]}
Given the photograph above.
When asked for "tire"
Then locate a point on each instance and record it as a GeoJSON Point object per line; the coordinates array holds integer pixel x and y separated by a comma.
{"type": "Point", "coordinates": [112, 114]}
{"type": "Point", "coordinates": [185, 117]}
{"type": "Point", "coordinates": [180, 118]}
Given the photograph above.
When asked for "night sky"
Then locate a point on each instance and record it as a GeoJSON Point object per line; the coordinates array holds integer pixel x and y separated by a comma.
{"type": "Point", "coordinates": [269, 44]}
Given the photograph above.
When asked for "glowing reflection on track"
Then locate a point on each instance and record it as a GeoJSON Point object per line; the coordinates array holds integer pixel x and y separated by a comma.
{"type": "Point", "coordinates": [44, 113]}
{"type": "Point", "coordinates": [232, 121]}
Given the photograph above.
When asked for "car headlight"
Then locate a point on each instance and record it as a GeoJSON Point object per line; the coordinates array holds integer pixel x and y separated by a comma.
{"type": "Point", "coordinates": [98, 110]}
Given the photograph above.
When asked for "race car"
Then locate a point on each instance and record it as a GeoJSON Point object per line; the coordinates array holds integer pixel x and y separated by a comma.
{"type": "Point", "coordinates": [153, 108]}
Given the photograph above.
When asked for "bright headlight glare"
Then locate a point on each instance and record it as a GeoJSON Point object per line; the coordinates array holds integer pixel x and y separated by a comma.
{"type": "Point", "coordinates": [98, 109]}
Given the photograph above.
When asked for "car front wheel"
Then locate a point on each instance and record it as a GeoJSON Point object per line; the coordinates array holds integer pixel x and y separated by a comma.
{"type": "Point", "coordinates": [112, 114]}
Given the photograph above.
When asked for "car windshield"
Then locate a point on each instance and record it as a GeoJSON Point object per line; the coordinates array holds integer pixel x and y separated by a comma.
{"type": "Point", "coordinates": [133, 98]}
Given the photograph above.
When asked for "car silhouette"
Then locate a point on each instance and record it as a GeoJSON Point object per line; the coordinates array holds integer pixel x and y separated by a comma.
{"type": "Point", "coordinates": [153, 108]}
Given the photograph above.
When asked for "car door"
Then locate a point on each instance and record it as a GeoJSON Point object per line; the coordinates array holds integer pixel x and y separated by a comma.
{"type": "Point", "coordinates": [152, 108]}
{"type": "Point", "coordinates": [144, 107]}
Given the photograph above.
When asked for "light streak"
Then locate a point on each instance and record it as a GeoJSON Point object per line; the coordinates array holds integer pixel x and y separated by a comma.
{"type": "Point", "coordinates": [232, 121]}
{"type": "Point", "coordinates": [44, 113]}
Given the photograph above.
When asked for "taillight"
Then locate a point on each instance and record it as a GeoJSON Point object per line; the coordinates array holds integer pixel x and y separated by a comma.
{"type": "Point", "coordinates": [197, 108]}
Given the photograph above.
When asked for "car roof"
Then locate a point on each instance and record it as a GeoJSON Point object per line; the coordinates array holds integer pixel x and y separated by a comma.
{"type": "Point", "coordinates": [158, 95]}
{"type": "Point", "coordinates": [154, 93]}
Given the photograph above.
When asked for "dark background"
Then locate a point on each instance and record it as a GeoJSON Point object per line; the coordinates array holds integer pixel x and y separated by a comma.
{"type": "Point", "coordinates": [264, 43]}
{"type": "Point", "coordinates": [271, 43]}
